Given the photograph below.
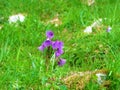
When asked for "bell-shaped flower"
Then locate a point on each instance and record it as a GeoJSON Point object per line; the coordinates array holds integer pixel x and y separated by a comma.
{"type": "Point", "coordinates": [45, 44]}
{"type": "Point", "coordinates": [57, 44]}
{"type": "Point", "coordinates": [49, 34]}
{"type": "Point", "coordinates": [58, 52]}
{"type": "Point", "coordinates": [61, 62]}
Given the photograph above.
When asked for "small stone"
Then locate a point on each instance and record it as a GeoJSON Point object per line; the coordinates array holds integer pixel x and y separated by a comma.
{"type": "Point", "coordinates": [101, 77]}
{"type": "Point", "coordinates": [15, 18]}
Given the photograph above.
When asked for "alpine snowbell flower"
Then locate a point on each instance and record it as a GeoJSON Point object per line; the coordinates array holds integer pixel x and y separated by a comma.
{"type": "Point", "coordinates": [58, 52]}
{"type": "Point", "coordinates": [57, 48]}
{"type": "Point", "coordinates": [49, 34]}
{"type": "Point", "coordinates": [45, 44]}
{"type": "Point", "coordinates": [41, 48]}
{"type": "Point", "coordinates": [57, 44]}
{"type": "Point", "coordinates": [61, 62]}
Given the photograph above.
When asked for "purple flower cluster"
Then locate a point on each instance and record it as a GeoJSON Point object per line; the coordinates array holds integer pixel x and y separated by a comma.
{"type": "Point", "coordinates": [57, 46]}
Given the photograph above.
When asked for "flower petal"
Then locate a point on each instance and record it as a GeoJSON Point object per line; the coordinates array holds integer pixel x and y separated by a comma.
{"type": "Point", "coordinates": [49, 34]}
{"type": "Point", "coordinates": [61, 62]}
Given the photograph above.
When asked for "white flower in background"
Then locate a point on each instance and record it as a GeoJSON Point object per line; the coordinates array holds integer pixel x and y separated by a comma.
{"type": "Point", "coordinates": [96, 23]}
{"type": "Point", "coordinates": [101, 77]}
{"type": "Point", "coordinates": [108, 29]}
{"type": "Point", "coordinates": [88, 30]}
{"type": "Point", "coordinates": [15, 18]}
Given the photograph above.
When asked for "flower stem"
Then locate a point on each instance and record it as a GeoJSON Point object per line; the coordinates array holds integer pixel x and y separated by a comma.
{"type": "Point", "coordinates": [47, 62]}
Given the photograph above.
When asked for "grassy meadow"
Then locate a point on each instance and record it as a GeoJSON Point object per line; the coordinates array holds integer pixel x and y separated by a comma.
{"type": "Point", "coordinates": [22, 66]}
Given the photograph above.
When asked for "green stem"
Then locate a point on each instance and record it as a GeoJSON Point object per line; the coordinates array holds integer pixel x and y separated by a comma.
{"type": "Point", "coordinates": [47, 62]}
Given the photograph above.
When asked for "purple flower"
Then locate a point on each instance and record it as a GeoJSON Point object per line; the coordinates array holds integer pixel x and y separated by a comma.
{"type": "Point", "coordinates": [41, 48]}
{"type": "Point", "coordinates": [47, 43]}
{"type": "Point", "coordinates": [57, 44]}
{"type": "Point", "coordinates": [54, 45]}
{"type": "Point", "coordinates": [108, 29]}
{"type": "Point", "coordinates": [49, 34]}
{"type": "Point", "coordinates": [61, 62]}
{"type": "Point", "coordinates": [58, 52]}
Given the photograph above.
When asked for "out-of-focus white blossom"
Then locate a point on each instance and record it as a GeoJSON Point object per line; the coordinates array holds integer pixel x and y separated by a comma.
{"type": "Point", "coordinates": [88, 30]}
{"type": "Point", "coordinates": [108, 29]}
{"type": "Point", "coordinates": [96, 23]}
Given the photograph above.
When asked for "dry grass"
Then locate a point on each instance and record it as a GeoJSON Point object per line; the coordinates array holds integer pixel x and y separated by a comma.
{"type": "Point", "coordinates": [78, 80]}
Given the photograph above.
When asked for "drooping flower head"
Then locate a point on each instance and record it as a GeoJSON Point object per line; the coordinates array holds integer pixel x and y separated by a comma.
{"type": "Point", "coordinates": [58, 52]}
{"type": "Point", "coordinates": [49, 34]}
{"type": "Point", "coordinates": [41, 48]}
{"type": "Point", "coordinates": [61, 62]}
{"type": "Point", "coordinates": [57, 44]}
{"type": "Point", "coordinates": [45, 44]}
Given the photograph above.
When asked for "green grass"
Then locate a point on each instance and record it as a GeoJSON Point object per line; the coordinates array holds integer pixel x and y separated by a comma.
{"type": "Point", "coordinates": [21, 63]}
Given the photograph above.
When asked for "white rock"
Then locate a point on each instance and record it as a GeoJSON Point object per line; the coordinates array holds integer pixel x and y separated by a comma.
{"type": "Point", "coordinates": [88, 30]}
{"type": "Point", "coordinates": [15, 18]}
{"type": "Point", "coordinates": [100, 77]}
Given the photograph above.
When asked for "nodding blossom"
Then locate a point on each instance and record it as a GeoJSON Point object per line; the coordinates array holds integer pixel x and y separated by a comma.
{"type": "Point", "coordinates": [41, 48]}
{"type": "Point", "coordinates": [45, 44]}
{"type": "Point", "coordinates": [58, 52]}
{"type": "Point", "coordinates": [57, 44]}
{"type": "Point", "coordinates": [61, 62]}
{"type": "Point", "coordinates": [49, 34]}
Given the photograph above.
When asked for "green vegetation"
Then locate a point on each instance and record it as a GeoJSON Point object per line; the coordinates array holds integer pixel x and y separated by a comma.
{"type": "Point", "coordinates": [22, 64]}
